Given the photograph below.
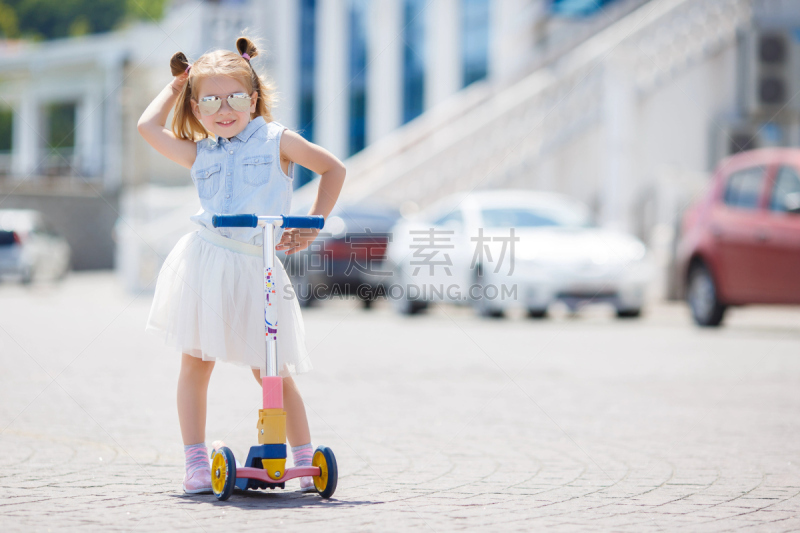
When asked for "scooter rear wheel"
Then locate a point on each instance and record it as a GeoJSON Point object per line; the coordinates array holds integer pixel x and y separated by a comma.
{"type": "Point", "coordinates": [223, 473]}
{"type": "Point", "coordinates": [325, 482]}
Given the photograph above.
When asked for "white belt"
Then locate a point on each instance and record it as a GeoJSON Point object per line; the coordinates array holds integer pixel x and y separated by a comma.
{"type": "Point", "coordinates": [230, 244]}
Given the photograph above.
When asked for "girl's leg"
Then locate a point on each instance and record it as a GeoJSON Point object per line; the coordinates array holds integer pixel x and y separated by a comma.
{"type": "Point", "coordinates": [297, 432]}
{"type": "Point", "coordinates": [192, 392]}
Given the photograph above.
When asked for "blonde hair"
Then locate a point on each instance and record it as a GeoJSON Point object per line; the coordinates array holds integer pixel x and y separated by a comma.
{"type": "Point", "coordinates": [219, 62]}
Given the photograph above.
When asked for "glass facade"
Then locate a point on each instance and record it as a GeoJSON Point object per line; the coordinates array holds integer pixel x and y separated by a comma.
{"type": "Point", "coordinates": [307, 34]}
{"type": "Point", "coordinates": [474, 39]}
{"type": "Point", "coordinates": [357, 66]}
{"type": "Point", "coordinates": [474, 50]}
{"type": "Point", "coordinates": [577, 8]}
{"type": "Point", "coordinates": [413, 59]}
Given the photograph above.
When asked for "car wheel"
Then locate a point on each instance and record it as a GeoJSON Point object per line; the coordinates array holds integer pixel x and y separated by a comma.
{"type": "Point", "coordinates": [408, 307]}
{"type": "Point", "coordinates": [366, 297]}
{"type": "Point", "coordinates": [490, 312]}
{"type": "Point", "coordinates": [482, 306]}
{"type": "Point", "coordinates": [402, 304]}
{"type": "Point", "coordinates": [27, 275]}
{"type": "Point", "coordinates": [707, 310]}
{"type": "Point", "coordinates": [65, 268]}
{"type": "Point", "coordinates": [537, 313]}
{"type": "Point", "coordinates": [629, 313]}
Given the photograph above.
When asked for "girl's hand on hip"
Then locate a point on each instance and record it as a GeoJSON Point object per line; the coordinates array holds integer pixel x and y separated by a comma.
{"type": "Point", "coordinates": [295, 239]}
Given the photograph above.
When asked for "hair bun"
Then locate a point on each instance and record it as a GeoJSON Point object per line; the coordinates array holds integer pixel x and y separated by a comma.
{"type": "Point", "coordinates": [246, 46]}
{"type": "Point", "coordinates": [178, 63]}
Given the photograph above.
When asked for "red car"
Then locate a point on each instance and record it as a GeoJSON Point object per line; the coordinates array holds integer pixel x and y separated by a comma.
{"type": "Point", "coordinates": [741, 243]}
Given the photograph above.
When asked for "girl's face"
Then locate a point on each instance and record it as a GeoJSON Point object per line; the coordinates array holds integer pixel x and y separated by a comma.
{"type": "Point", "coordinates": [226, 122]}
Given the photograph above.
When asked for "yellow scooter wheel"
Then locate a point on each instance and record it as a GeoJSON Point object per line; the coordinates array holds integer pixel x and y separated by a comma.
{"type": "Point", "coordinates": [325, 482]}
{"type": "Point", "coordinates": [223, 473]}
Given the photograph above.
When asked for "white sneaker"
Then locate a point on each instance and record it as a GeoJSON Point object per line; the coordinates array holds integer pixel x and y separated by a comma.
{"type": "Point", "coordinates": [198, 483]}
{"type": "Point", "coordinates": [307, 484]}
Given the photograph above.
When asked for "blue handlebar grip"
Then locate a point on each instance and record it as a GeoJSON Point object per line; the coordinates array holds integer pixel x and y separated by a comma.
{"type": "Point", "coordinates": [309, 221]}
{"type": "Point", "coordinates": [234, 221]}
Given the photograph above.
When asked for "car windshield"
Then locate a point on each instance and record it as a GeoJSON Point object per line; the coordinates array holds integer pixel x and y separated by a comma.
{"type": "Point", "coordinates": [520, 217]}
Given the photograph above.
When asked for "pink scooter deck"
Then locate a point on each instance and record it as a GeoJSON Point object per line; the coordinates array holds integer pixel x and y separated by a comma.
{"type": "Point", "coordinates": [291, 473]}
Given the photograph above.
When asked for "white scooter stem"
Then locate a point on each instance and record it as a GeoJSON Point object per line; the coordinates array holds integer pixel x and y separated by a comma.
{"type": "Point", "coordinates": [270, 299]}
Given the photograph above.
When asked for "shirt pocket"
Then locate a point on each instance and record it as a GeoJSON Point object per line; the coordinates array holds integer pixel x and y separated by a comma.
{"type": "Point", "coordinates": [257, 169]}
{"type": "Point", "coordinates": [207, 180]}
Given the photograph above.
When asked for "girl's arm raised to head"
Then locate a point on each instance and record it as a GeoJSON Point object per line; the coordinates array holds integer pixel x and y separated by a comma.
{"type": "Point", "coordinates": [331, 170]}
{"type": "Point", "coordinates": [151, 126]}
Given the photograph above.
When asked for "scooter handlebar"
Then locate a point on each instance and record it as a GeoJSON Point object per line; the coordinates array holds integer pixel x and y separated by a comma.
{"type": "Point", "coordinates": [308, 221]}
{"type": "Point", "coordinates": [234, 221]}
{"type": "Point", "coordinates": [251, 221]}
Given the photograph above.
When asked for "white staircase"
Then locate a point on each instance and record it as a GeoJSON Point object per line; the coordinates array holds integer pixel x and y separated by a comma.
{"type": "Point", "coordinates": [490, 136]}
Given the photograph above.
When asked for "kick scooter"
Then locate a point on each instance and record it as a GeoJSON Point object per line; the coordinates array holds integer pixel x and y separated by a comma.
{"type": "Point", "coordinates": [266, 463]}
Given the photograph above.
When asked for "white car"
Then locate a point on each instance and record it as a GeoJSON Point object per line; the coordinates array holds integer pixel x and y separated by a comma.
{"type": "Point", "coordinates": [459, 251]}
{"type": "Point", "coordinates": [30, 248]}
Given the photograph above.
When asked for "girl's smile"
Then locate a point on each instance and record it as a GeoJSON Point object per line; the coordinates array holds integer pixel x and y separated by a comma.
{"type": "Point", "coordinates": [226, 121]}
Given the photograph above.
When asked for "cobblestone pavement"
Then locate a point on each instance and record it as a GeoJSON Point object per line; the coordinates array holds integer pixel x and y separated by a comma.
{"type": "Point", "coordinates": [438, 422]}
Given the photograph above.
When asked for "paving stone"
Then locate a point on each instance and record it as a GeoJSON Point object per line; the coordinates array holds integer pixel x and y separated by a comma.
{"type": "Point", "coordinates": [439, 422]}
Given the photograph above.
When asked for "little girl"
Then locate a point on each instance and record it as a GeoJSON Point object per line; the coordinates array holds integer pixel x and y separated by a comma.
{"type": "Point", "coordinates": [208, 300]}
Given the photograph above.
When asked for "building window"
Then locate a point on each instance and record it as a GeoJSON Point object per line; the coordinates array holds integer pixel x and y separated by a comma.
{"type": "Point", "coordinates": [6, 134]}
{"type": "Point", "coordinates": [474, 39]}
{"type": "Point", "coordinates": [413, 59]}
{"type": "Point", "coordinates": [358, 75]}
{"type": "Point", "coordinates": [308, 12]}
{"type": "Point", "coordinates": [60, 127]}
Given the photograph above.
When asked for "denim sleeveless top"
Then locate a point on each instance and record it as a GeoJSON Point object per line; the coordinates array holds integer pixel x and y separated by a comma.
{"type": "Point", "coordinates": [242, 174]}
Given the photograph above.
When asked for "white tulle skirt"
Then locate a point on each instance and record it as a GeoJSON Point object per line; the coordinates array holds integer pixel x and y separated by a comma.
{"type": "Point", "coordinates": [209, 303]}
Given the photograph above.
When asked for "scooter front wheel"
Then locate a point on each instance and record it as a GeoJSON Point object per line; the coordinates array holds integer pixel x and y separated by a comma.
{"type": "Point", "coordinates": [223, 473]}
{"type": "Point", "coordinates": [325, 482]}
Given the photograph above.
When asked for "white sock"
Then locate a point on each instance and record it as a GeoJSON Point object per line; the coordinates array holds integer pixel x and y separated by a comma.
{"type": "Point", "coordinates": [196, 458]}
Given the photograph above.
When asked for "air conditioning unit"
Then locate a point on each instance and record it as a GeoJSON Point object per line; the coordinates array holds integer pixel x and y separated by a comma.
{"type": "Point", "coordinates": [772, 76]}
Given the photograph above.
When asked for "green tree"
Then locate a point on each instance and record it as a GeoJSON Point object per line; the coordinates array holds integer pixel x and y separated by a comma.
{"type": "Point", "coordinates": [144, 9]}
{"type": "Point", "coordinates": [9, 25]}
{"type": "Point", "coordinates": [53, 19]}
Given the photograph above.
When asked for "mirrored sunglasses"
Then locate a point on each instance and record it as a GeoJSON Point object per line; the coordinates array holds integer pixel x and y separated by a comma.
{"type": "Point", "coordinates": [210, 104]}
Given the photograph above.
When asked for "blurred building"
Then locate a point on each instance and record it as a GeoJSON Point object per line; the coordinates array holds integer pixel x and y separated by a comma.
{"type": "Point", "coordinates": [62, 137]}
{"type": "Point", "coordinates": [625, 104]}
{"type": "Point", "coordinates": [349, 72]}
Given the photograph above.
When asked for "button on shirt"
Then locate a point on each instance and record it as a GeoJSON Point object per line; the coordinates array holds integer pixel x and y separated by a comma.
{"type": "Point", "coordinates": [242, 174]}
